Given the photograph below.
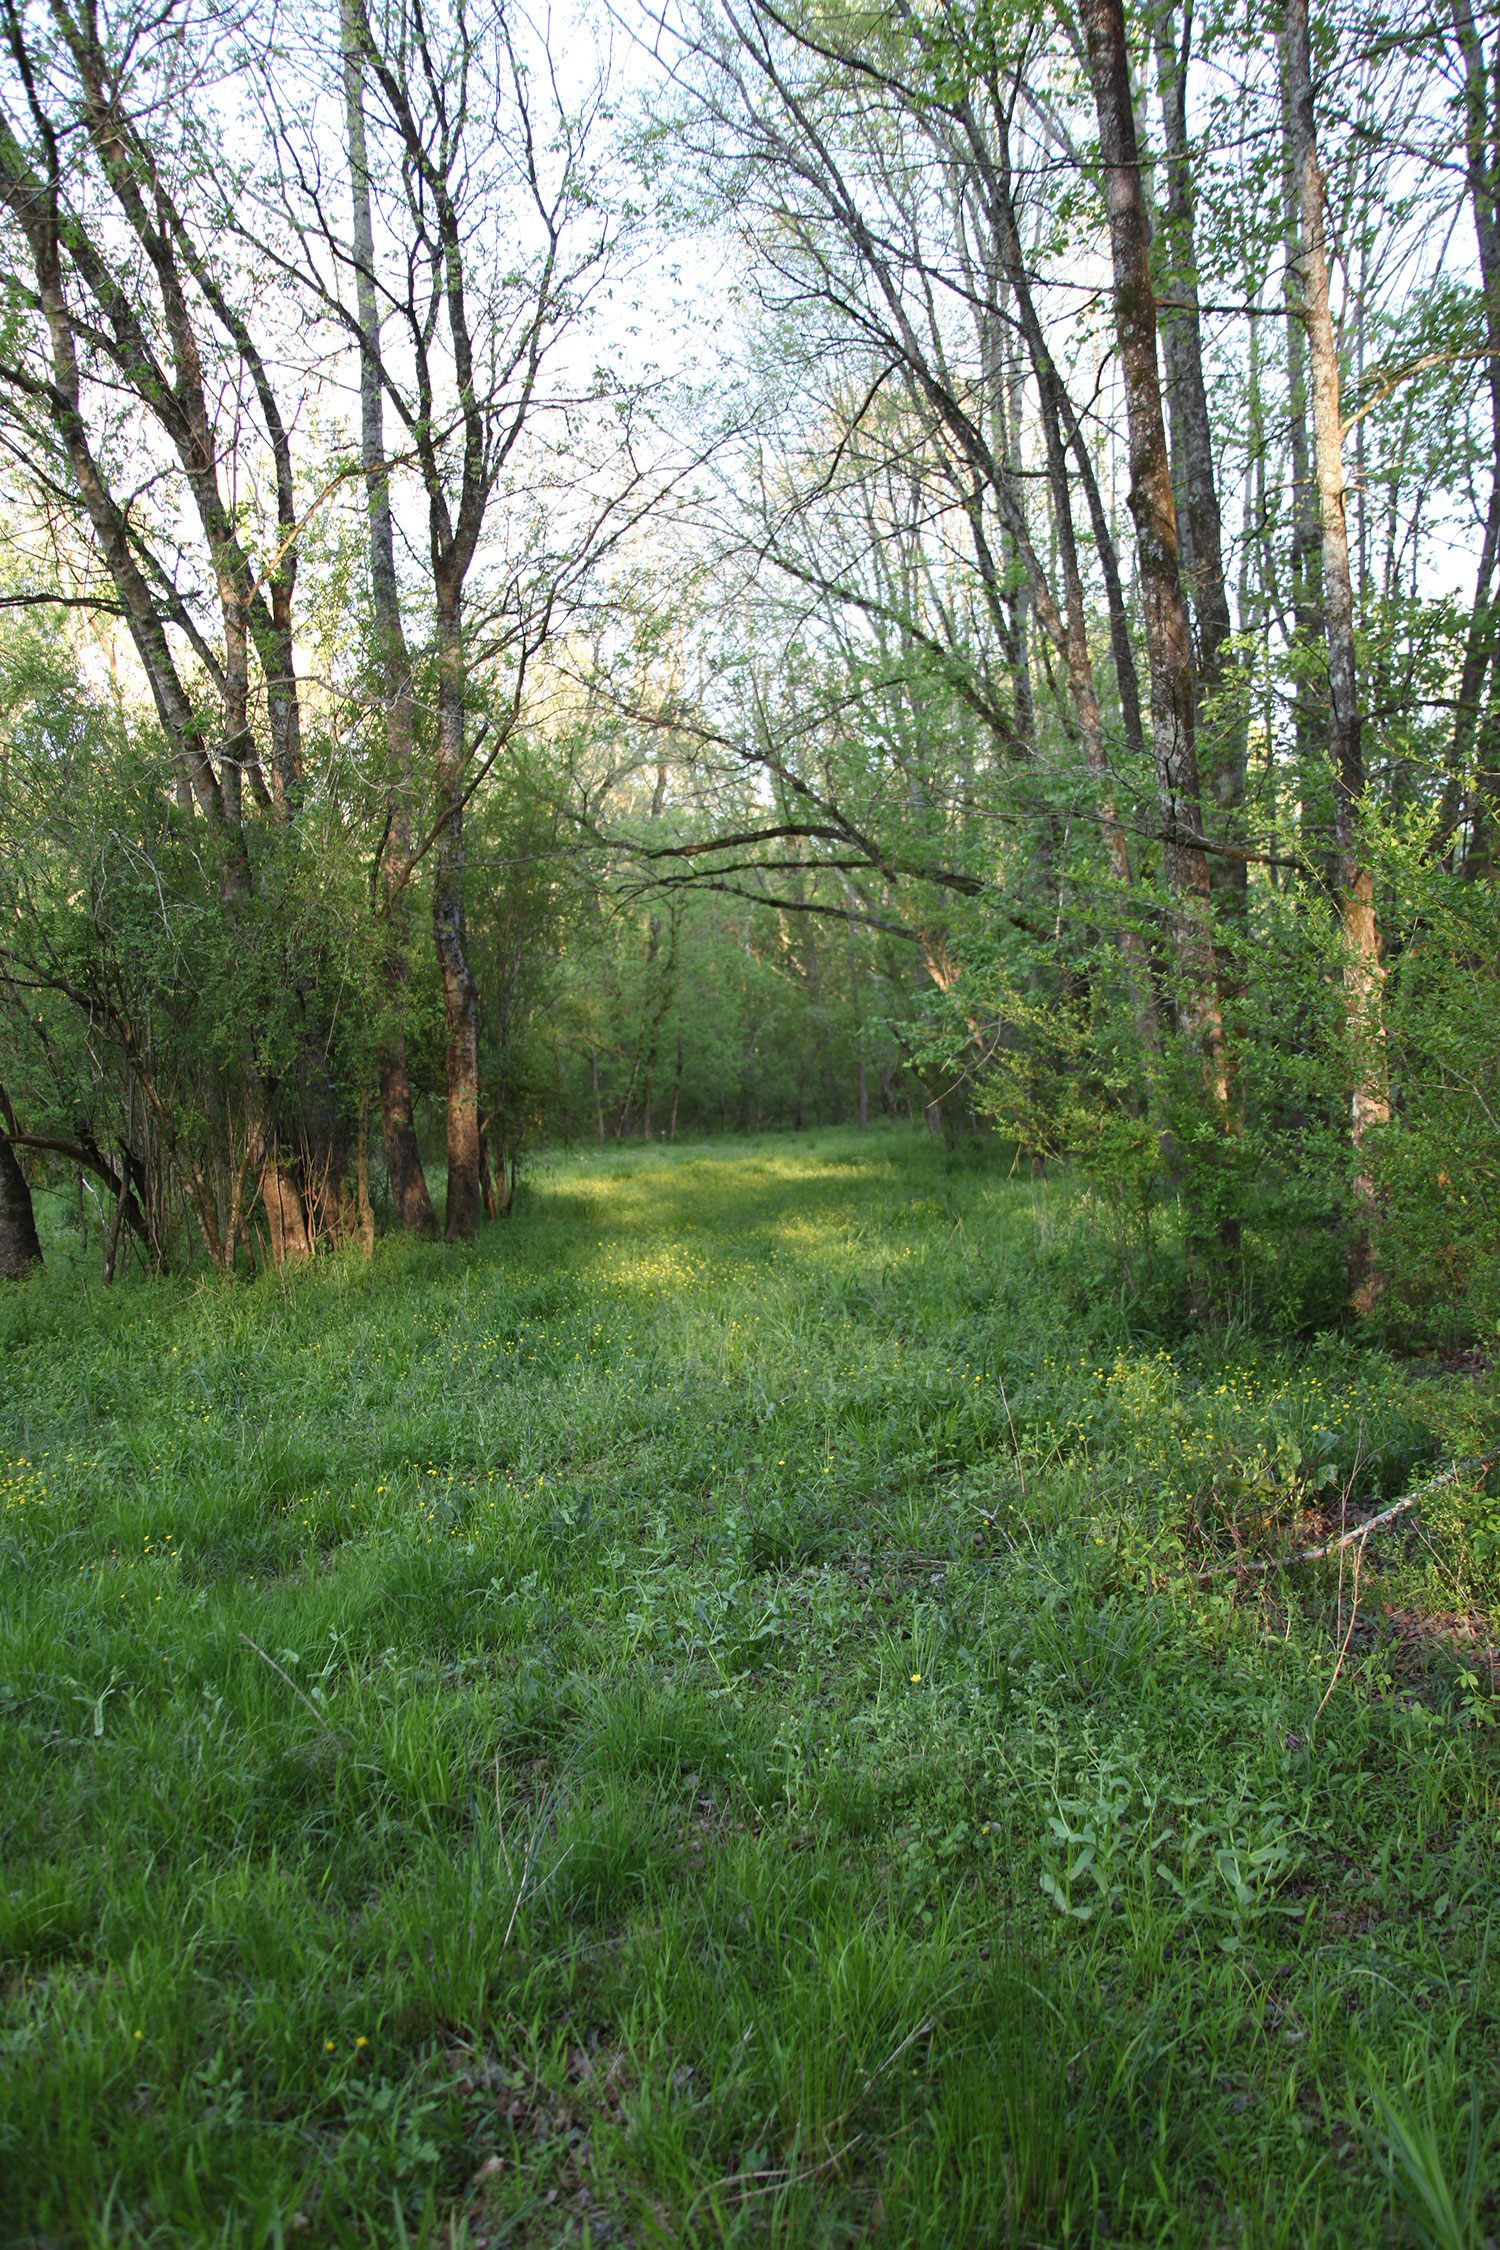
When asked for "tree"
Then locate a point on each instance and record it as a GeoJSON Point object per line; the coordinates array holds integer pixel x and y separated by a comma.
{"type": "Point", "coordinates": [493, 246]}
{"type": "Point", "coordinates": [1473, 721]}
{"type": "Point", "coordinates": [403, 1159]}
{"type": "Point", "coordinates": [1168, 641]}
{"type": "Point", "coordinates": [1356, 892]}
{"type": "Point", "coordinates": [1220, 727]}
{"type": "Point", "coordinates": [124, 297]}
{"type": "Point", "coordinates": [20, 1248]}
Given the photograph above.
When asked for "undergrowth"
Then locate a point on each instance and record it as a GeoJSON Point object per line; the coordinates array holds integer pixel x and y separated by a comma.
{"type": "Point", "coordinates": [737, 1711]}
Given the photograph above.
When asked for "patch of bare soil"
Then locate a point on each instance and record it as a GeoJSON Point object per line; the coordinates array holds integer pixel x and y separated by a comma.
{"type": "Point", "coordinates": [1420, 1635]}
{"type": "Point", "coordinates": [535, 2180]}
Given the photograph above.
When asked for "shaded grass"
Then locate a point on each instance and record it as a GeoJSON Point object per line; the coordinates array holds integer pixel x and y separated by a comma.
{"type": "Point", "coordinates": [698, 1721]}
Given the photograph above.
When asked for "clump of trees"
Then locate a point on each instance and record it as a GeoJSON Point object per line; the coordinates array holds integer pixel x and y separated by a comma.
{"type": "Point", "coordinates": [1045, 673]}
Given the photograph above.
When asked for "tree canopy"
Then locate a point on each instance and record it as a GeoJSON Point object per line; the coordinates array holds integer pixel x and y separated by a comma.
{"type": "Point", "coordinates": [745, 564]}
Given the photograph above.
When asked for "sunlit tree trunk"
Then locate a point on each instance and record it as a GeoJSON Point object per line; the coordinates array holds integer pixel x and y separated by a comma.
{"type": "Point", "coordinates": [284, 1216]}
{"type": "Point", "coordinates": [1356, 893]}
{"type": "Point", "coordinates": [1309, 716]}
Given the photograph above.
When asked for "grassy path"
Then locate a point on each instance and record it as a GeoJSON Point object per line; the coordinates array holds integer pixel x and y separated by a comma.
{"type": "Point", "coordinates": [697, 1722]}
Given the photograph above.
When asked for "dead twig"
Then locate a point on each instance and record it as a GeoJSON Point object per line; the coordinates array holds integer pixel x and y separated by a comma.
{"type": "Point", "coordinates": [773, 2177]}
{"type": "Point", "coordinates": [1015, 1442]}
{"type": "Point", "coordinates": [1344, 1644]}
{"type": "Point", "coordinates": [306, 1701]}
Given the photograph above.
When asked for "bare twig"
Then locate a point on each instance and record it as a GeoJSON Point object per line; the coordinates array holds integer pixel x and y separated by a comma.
{"type": "Point", "coordinates": [291, 1683]}
{"type": "Point", "coordinates": [1344, 1644]}
{"type": "Point", "coordinates": [880, 2070]}
{"type": "Point", "coordinates": [773, 2177]}
{"type": "Point", "coordinates": [1014, 1440]}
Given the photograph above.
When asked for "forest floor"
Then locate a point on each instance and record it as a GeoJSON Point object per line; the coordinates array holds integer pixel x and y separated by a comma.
{"type": "Point", "coordinates": [718, 1716]}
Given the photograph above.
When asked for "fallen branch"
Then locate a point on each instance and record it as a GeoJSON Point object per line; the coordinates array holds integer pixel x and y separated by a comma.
{"type": "Point", "coordinates": [1459, 1469]}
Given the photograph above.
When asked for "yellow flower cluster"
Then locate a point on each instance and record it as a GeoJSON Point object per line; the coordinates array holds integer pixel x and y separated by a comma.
{"type": "Point", "coordinates": [22, 1483]}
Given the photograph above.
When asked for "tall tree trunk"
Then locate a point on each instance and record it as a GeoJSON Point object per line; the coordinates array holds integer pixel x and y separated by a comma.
{"type": "Point", "coordinates": [1067, 624]}
{"type": "Point", "coordinates": [652, 1014]}
{"type": "Point", "coordinates": [508, 957]}
{"type": "Point", "coordinates": [1309, 719]}
{"type": "Point", "coordinates": [112, 1232]}
{"type": "Point", "coordinates": [460, 993]}
{"type": "Point", "coordinates": [1222, 735]}
{"type": "Point", "coordinates": [1257, 583]}
{"type": "Point", "coordinates": [1064, 620]}
{"type": "Point", "coordinates": [991, 157]}
{"type": "Point", "coordinates": [363, 1205]}
{"type": "Point", "coordinates": [490, 1195]}
{"type": "Point", "coordinates": [403, 1157]}
{"type": "Point", "coordinates": [1008, 384]}
{"type": "Point", "coordinates": [276, 1183]}
{"type": "Point", "coordinates": [863, 1110]}
{"type": "Point", "coordinates": [1168, 643]}
{"type": "Point", "coordinates": [623, 1112]}
{"type": "Point", "coordinates": [646, 1060]}
{"type": "Point", "coordinates": [676, 1076]}
{"type": "Point", "coordinates": [20, 1250]}
{"type": "Point", "coordinates": [1362, 973]}
{"type": "Point", "coordinates": [1091, 725]}
{"type": "Point", "coordinates": [1482, 153]}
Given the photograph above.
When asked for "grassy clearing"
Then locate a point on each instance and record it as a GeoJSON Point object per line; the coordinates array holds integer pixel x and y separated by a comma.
{"type": "Point", "coordinates": [698, 1722]}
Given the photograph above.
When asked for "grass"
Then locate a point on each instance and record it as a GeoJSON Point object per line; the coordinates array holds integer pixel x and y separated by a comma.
{"type": "Point", "coordinates": [702, 1721]}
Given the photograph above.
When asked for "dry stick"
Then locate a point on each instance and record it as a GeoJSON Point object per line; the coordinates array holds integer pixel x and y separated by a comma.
{"type": "Point", "coordinates": [1346, 1637]}
{"type": "Point", "coordinates": [1344, 1644]}
{"type": "Point", "coordinates": [554, 1797]}
{"type": "Point", "coordinates": [526, 1866]}
{"type": "Point", "coordinates": [1358, 1554]}
{"type": "Point", "coordinates": [1014, 1440]}
{"type": "Point", "coordinates": [775, 2176]}
{"type": "Point", "coordinates": [880, 2070]}
{"type": "Point", "coordinates": [1361, 1530]}
{"type": "Point", "coordinates": [291, 1683]}
{"type": "Point", "coordinates": [500, 1824]}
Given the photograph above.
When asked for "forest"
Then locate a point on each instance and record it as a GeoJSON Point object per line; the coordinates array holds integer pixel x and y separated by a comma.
{"type": "Point", "coordinates": [749, 1122]}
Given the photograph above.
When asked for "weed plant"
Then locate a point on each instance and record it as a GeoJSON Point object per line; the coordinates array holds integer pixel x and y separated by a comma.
{"type": "Point", "coordinates": [735, 1712]}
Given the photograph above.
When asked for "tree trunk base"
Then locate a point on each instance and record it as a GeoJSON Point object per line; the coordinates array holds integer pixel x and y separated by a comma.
{"type": "Point", "coordinates": [285, 1219]}
{"type": "Point", "coordinates": [403, 1158]}
{"type": "Point", "coordinates": [20, 1246]}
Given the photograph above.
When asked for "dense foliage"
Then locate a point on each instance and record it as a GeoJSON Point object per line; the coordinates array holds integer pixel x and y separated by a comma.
{"type": "Point", "coordinates": [1012, 641]}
